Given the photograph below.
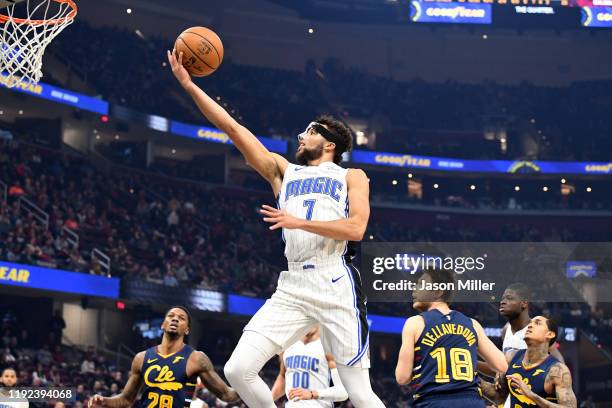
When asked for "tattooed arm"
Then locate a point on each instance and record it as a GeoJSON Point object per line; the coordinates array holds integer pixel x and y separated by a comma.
{"type": "Point", "coordinates": [496, 392]}
{"type": "Point", "coordinates": [559, 378]}
{"type": "Point", "coordinates": [206, 371]}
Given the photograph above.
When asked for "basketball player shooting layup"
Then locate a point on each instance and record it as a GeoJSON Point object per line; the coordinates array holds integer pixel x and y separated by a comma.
{"type": "Point", "coordinates": [322, 207]}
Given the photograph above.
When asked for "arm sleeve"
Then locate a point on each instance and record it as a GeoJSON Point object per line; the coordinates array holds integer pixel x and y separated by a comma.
{"type": "Point", "coordinates": [336, 393]}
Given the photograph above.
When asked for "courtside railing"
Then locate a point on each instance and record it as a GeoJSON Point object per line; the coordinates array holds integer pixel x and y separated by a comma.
{"type": "Point", "coordinates": [103, 259]}
{"type": "Point", "coordinates": [38, 213]}
{"type": "Point", "coordinates": [71, 237]}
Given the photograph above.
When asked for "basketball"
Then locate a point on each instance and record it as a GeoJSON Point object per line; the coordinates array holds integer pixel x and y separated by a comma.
{"type": "Point", "coordinates": [202, 50]}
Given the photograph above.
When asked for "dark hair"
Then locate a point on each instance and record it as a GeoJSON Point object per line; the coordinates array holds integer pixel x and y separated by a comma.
{"type": "Point", "coordinates": [442, 276]}
{"type": "Point", "coordinates": [342, 131]}
{"type": "Point", "coordinates": [7, 368]}
{"type": "Point", "coordinates": [553, 326]}
{"type": "Point", "coordinates": [522, 290]}
{"type": "Point", "coordinates": [184, 309]}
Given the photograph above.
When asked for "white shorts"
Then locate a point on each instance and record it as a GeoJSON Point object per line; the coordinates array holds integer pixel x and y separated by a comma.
{"type": "Point", "coordinates": [327, 293]}
{"type": "Point", "coordinates": [309, 404]}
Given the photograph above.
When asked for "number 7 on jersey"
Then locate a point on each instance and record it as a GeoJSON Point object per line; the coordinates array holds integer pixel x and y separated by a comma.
{"type": "Point", "coordinates": [310, 205]}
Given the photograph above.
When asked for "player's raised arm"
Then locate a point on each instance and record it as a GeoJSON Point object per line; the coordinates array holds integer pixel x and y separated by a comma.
{"type": "Point", "coordinates": [269, 165]}
{"type": "Point", "coordinates": [211, 380]}
{"type": "Point", "coordinates": [130, 391]}
{"type": "Point", "coordinates": [492, 355]}
{"type": "Point", "coordinates": [278, 389]}
{"type": "Point", "coordinates": [405, 361]}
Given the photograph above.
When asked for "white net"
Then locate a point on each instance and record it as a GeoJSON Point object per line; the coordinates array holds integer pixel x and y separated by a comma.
{"type": "Point", "coordinates": [25, 31]}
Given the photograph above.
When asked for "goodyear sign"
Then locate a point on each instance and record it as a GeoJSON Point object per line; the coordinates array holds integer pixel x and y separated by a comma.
{"type": "Point", "coordinates": [216, 136]}
{"type": "Point", "coordinates": [56, 94]}
{"type": "Point", "coordinates": [56, 280]}
{"type": "Point", "coordinates": [597, 16]}
{"type": "Point", "coordinates": [478, 166]}
{"type": "Point", "coordinates": [598, 168]}
{"type": "Point", "coordinates": [453, 13]}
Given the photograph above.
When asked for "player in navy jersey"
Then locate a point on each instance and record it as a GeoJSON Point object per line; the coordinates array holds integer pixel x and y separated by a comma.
{"type": "Point", "coordinates": [440, 347]}
{"type": "Point", "coordinates": [169, 371]}
{"type": "Point", "coordinates": [535, 378]}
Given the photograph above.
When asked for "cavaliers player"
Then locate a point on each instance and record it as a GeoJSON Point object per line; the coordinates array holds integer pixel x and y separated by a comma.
{"type": "Point", "coordinates": [169, 371]}
{"type": "Point", "coordinates": [535, 377]}
{"type": "Point", "coordinates": [305, 374]}
{"type": "Point", "coordinates": [322, 207]}
{"type": "Point", "coordinates": [439, 350]}
{"type": "Point", "coordinates": [514, 307]}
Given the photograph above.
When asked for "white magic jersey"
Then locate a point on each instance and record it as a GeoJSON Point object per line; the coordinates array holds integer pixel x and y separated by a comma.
{"type": "Point", "coordinates": [306, 367]}
{"type": "Point", "coordinates": [316, 193]}
{"type": "Point", "coordinates": [513, 342]}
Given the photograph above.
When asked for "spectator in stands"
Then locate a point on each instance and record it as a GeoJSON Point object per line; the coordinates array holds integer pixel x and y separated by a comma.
{"type": "Point", "coordinates": [88, 366]}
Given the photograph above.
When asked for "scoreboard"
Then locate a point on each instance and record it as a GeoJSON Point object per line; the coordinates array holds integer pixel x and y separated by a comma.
{"type": "Point", "coordinates": [552, 3]}
{"type": "Point", "coordinates": [515, 13]}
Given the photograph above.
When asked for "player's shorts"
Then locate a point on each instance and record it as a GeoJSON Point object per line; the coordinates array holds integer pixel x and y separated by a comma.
{"type": "Point", "coordinates": [460, 400]}
{"type": "Point", "coordinates": [309, 404]}
{"type": "Point", "coordinates": [327, 292]}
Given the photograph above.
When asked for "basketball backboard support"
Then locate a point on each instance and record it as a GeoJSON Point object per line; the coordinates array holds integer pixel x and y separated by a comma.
{"type": "Point", "coordinates": [6, 3]}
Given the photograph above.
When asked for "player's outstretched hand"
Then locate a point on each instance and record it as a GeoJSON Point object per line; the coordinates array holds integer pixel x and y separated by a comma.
{"type": "Point", "coordinates": [95, 401]}
{"type": "Point", "coordinates": [179, 71]}
{"type": "Point", "coordinates": [279, 218]}
{"type": "Point", "coordinates": [298, 394]}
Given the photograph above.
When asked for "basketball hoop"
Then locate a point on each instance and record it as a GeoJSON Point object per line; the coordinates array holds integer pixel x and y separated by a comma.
{"type": "Point", "coordinates": [23, 39]}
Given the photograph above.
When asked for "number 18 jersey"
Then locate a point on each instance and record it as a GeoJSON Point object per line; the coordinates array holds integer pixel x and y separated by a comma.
{"type": "Point", "coordinates": [445, 356]}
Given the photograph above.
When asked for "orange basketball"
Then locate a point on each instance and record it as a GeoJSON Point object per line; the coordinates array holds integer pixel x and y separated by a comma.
{"type": "Point", "coordinates": [202, 50]}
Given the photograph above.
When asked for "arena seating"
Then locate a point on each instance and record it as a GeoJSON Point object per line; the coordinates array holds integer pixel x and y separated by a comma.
{"type": "Point", "coordinates": [568, 123]}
